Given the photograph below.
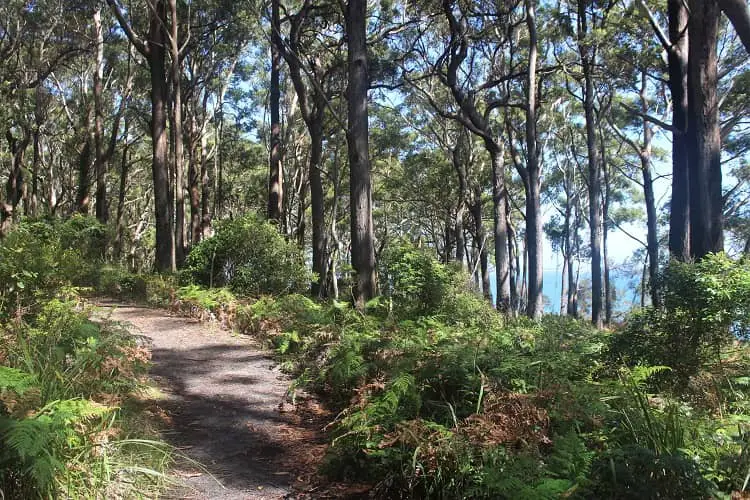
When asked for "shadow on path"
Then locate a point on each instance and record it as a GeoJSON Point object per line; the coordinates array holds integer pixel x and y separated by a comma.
{"type": "Point", "coordinates": [223, 399]}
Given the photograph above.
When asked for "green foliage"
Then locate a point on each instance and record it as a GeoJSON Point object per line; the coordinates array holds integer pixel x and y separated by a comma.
{"type": "Point", "coordinates": [38, 258]}
{"type": "Point", "coordinates": [634, 473]}
{"type": "Point", "coordinates": [706, 308]}
{"type": "Point", "coordinates": [57, 436]}
{"type": "Point", "coordinates": [418, 285]}
{"type": "Point", "coordinates": [249, 256]}
{"type": "Point", "coordinates": [415, 282]}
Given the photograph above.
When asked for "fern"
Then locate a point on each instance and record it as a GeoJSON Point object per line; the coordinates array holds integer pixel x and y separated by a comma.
{"type": "Point", "coordinates": [40, 443]}
{"type": "Point", "coordinates": [12, 379]}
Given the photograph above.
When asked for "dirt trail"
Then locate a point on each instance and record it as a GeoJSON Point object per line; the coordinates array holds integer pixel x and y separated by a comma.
{"type": "Point", "coordinates": [224, 397]}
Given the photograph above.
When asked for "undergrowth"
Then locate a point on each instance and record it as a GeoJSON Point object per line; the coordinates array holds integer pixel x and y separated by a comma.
{"type": "Point", "coordinates": [72, 417]}
{"type": "Point", "coordinates": [438, 396]}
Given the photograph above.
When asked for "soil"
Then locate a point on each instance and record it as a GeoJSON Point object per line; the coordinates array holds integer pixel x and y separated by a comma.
{"type": "Point", "coordinates": [227, 410]}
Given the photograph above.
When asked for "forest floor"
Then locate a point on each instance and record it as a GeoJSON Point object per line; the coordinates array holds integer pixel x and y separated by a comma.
{"type": "Point", "coordinates": [225, 407]}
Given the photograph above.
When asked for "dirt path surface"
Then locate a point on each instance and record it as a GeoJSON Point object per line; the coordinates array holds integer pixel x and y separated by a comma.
{"type": "Point", "coordinates": [224, 398]}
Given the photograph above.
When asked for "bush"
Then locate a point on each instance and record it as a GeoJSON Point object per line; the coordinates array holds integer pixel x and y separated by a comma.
{"type": "Point", "coordinates": [418, 285]}
{"type": "Point", "coordinates": [249, 256]}
{"type": "Point", "coordinates": [65, 382]}
{"type": "Point", "coordinates": [38, 258]}
{"type": "Point", "coordinates": [706, 307]}
{"type": "Point", "coordinates": [638, 473]}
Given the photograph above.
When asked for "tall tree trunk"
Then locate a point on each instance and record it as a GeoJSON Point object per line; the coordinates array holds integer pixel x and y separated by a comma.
{"type": "Point", "coordinates": [194, 180]}
{"type": "Point", "coordinates": [652, 236]}
{"type": "Point", "coordinates": [83, 195]}
{"type": "Point", "coordinates": [573, 274]}
{"type": "Point", "coordinates": [512, 262]}
{"type": "Point", "coordinates": [499, 200]}
{"type": "Point", "coordinates": [608, 291]}
{"type": "Point", "coordinates": [205, 180]}
{"type": "Point", "coordinates": [16, 181]}
{"type": "Point", "coordinates": [160, 170]}
{"type": "Point", "coordinates": [275, 175]}
{"type": "Point", "coordinates": [121, 194]}
{"type": "Point", "coordinates": [587, 50]}
{"type": "Point", "coordinates": [566, 297]}
{"type": "Point", "coordinates": [534, 231]}
{"type": "Point", "coordinates": [37, 151]}
{"type": "Point", "coordinates": [595, 222]}
{"type": "Point", "coordinates": [458, 166]}
{"type": "Point", "coordinates": [317, 202]}
{"type": "Point", "coordinates": [679, 219]}
{"type": "Point", "coordinates": [362, 234]}
{"type": "Point", "coordinates": [704, 135]}
{"type": "Point", "coordinates": [100, 163]}
{"type": "Point", "coordinates": [177, 134]}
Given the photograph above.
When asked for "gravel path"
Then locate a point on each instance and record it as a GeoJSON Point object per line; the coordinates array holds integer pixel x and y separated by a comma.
{"type": "Point", "coordinates": [225, 398]}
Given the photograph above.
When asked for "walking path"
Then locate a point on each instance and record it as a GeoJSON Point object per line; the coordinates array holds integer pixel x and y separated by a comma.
{"type": "Point", "coordinates": [225, 399]}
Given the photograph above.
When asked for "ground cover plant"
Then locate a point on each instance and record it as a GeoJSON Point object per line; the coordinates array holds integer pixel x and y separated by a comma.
{"type": "Point", "coordinates": [73, 417]}
{"type": "Point", "coordinates": [439, 396]}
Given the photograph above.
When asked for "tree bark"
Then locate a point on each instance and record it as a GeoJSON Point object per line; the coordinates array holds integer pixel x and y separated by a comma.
{"type": "Point", "coordinates": [534, 231]}
{"type": "Point", "coordinates": [460, 169]}
{"type": "Point", "coordinates": [499, 200]}
{"type": "Point", "coordinates": [177, 134]}
{"type": "Point", "coordinates": [704, 131]}
{"type": "Point", "coordinates": [275, 176]}
{"type": "Point", "coordinates": [317, 202]}
{"type": "Point", "coordinates": [154, 50]}
{"type": "Point", "coordinates": [121, 195]}
{"type": "Point", "coordinates": [480, 242]}
{"type": "Point", "coordinates": [160, 170]}
{"type": "Point", "coordinates": [588, 53]}
{"type": "Point", "coordinates": [652, 236]}
{"type": "Point", "coordinates": [362, 234]}
{"type": "Point", "coordinates": [677, 57]}
{"type": "Point", "coordinates": [16, 181]}
{"type": "Point", "coordinates": [100, 165]}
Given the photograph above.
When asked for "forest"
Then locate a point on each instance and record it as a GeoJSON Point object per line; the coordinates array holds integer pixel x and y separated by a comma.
{"type": "Point", "coordinates": [494, 248]}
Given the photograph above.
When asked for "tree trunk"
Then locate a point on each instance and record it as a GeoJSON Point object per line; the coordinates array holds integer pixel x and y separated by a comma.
{"type": "Point", "coordinates": [275, 176]}
{"type": "Point", "coordinates": [194, 180]}
{"type": "Point", "coordinates": [608, 292]}
{"type": "Point", "coordinates": [499, 199]}
{"type": "Point", "coordinates": [121, 194]}
{"type": "Point", "coordinates": [100, 164]}
{"type": "Point", "coordinates": [704, 134]}
{"type": "Point", "coordinates": [512, 262]}
{"type": "Point", "coordinates": [679, 219]}
{"type": "Point", "coordinates": [317, 202]}
{"type": "Point", "coordinates": [534, 231]}
{"type": "Point", "coordinates": [16, 181]}
{"type": "Point", "coordinates": [83, 196]}
{"type": "Point", "coordinates": [595, 222]}
{"type": "Point", "coordinates": [160, 170]}
{"type": "Point", "coordinates": [206, 183]}
{"type": "Point", "coordinates": [458, 166]}
{"type": "Point", "coordinates": [177, 134]}
{"type": "Point", "coordinates": [652, 236]}
{"type": "Point", "coordinates": [587, 51]}
{"type": "Point", "coordinates": [362, 234]}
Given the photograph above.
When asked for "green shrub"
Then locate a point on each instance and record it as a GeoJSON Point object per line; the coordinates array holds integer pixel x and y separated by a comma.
{"type": "Point", "coordinates": [638, 473]}
{"type": "Point", "coordinates": [62, 378]}
{"type": "Point", "coordinates": [249, 256]}
{"type": "Point", "coordinates": [38, 258]}
{"type": "Point", "coordinates": [706, 306]}
{"type": "Point", "coordinates": [418, 285]}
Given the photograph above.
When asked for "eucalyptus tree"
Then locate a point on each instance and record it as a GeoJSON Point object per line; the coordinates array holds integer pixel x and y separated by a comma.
{"type": "Point", "coordinates": [153, 47]}
{"type": "Point", "coordinates": [313, 53]}
{"type": "Point", "coordinates": [360, 183]}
